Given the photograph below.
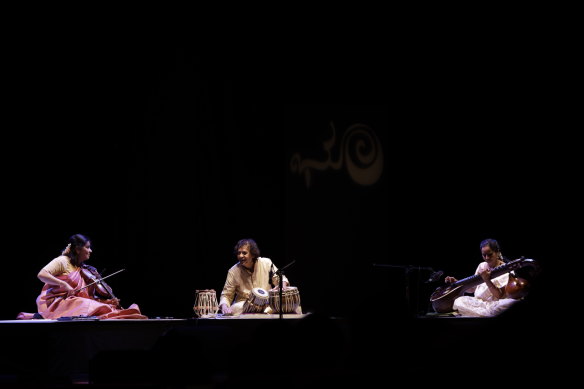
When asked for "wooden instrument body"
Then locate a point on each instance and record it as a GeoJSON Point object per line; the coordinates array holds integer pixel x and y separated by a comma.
{"type": "Point", "coordinates": [443, 297]}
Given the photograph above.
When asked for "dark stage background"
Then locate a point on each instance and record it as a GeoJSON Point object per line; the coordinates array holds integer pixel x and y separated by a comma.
{"type": "Point", "coordinates": [165, 154]}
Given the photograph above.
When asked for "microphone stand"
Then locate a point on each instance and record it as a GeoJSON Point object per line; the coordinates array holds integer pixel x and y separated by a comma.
{"type": "Point", "coordinates": [280, 273]}
{"type": "Point", "coordinates": [407, 270]}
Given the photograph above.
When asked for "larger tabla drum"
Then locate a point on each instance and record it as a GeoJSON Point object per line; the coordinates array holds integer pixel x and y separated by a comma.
{"type": "Point", "coordinates": [290, 299]}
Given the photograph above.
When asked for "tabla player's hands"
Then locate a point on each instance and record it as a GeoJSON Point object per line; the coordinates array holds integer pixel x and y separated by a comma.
{"type": "Point", "coordinates": [277, 287]}
{"type": "Point", "coordinates": [226, 309]}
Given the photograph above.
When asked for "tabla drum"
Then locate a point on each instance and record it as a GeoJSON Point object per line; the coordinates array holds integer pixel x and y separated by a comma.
{"type": "Point", "coordinates": [257, 301]}
{"type": "Point", "coordinates": [206, 304]}
{"type": "Point", "coordinates": [290, 299]}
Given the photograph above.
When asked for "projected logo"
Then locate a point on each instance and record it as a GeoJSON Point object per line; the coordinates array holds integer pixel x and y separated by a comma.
{"type": "Point", "coordinates": [359, 152]}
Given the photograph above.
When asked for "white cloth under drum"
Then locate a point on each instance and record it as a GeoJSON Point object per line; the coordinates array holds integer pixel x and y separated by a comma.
{"type": "Point", "coordinates": [483, 303]}
{"type": "Point", "coordinates": [240, 282]}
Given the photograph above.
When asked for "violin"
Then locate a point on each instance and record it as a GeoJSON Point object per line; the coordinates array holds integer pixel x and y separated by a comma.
{"type": "Point", "coordinates": [98, 288]}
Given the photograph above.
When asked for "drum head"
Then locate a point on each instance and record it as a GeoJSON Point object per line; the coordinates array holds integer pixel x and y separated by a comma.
{"type": "Point", "coordinates": [259, 292]}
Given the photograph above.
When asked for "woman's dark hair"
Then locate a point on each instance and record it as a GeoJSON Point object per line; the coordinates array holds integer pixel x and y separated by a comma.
{"type": "Point", "coordinates": [492, 243]}
{"type": "Point", "coordinates": [253, 247]}
{"type": "Point", "coordinates": [75, 241]}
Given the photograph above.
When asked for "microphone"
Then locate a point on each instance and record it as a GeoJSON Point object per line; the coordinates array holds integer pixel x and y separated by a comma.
{"type": "Point", "coordinates": [435, 276]}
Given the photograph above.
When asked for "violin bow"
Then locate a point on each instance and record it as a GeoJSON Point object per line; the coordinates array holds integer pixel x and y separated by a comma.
{"type": "Point", "coordinates": [96, 281]}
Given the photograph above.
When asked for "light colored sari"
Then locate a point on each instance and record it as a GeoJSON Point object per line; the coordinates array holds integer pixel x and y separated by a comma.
{"type": "Point", "coordinates": [53, 303]}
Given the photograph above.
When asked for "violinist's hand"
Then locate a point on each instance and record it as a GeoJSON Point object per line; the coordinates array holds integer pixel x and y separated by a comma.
{"type": "Point", "coordinates": [449, 279]}
{"type": "Point", "coordinates": [114, 301]}
{"type": "Point", "coordinates": [65, 288]}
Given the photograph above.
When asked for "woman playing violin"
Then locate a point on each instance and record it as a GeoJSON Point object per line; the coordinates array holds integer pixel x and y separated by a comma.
{"type": "Point", "coordinates": [73, 288]}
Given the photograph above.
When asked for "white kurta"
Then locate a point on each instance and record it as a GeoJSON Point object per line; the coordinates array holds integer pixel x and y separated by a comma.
{"type": "Point", "coordinates": [240, 282]}
{"type": "Point", "coordinates": [483, 303]}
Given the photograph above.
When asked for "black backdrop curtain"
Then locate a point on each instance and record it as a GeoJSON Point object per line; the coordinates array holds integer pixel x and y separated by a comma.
{"type": "Point", "coordinates": [165, 155]}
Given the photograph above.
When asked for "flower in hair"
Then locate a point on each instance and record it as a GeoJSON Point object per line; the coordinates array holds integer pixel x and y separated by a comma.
{"type": "Point", "coordinates": [67, 250]}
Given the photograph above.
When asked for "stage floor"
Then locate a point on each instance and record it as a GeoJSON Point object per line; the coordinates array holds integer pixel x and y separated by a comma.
{"type": "Point", "coordinates": [246, 316]}
{"type": "Point", "coordinates": [82, 350]}
{"type": "Point", "coordinates": [237, 351]}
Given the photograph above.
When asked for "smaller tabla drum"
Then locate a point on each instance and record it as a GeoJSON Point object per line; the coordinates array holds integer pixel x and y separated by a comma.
{"type": "Point", "coordinates": [290, 299]}
{"type": "Point", "coordinates": [257, 301]}
{"type": "Point", "coordinates": [206, 304]}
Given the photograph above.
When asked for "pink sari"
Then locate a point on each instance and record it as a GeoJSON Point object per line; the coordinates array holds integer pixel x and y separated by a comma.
{"type": "Point", "coordinates": [53, 303]}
